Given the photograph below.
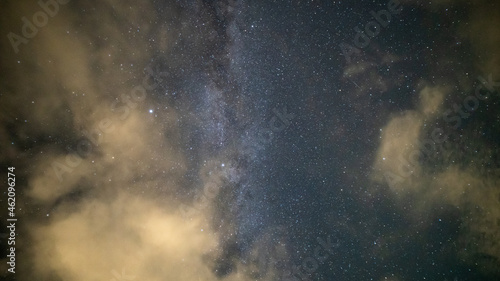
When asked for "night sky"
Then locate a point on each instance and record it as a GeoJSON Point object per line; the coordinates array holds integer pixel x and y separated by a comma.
{"type": "Point", "coordinates": [251, 140]}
